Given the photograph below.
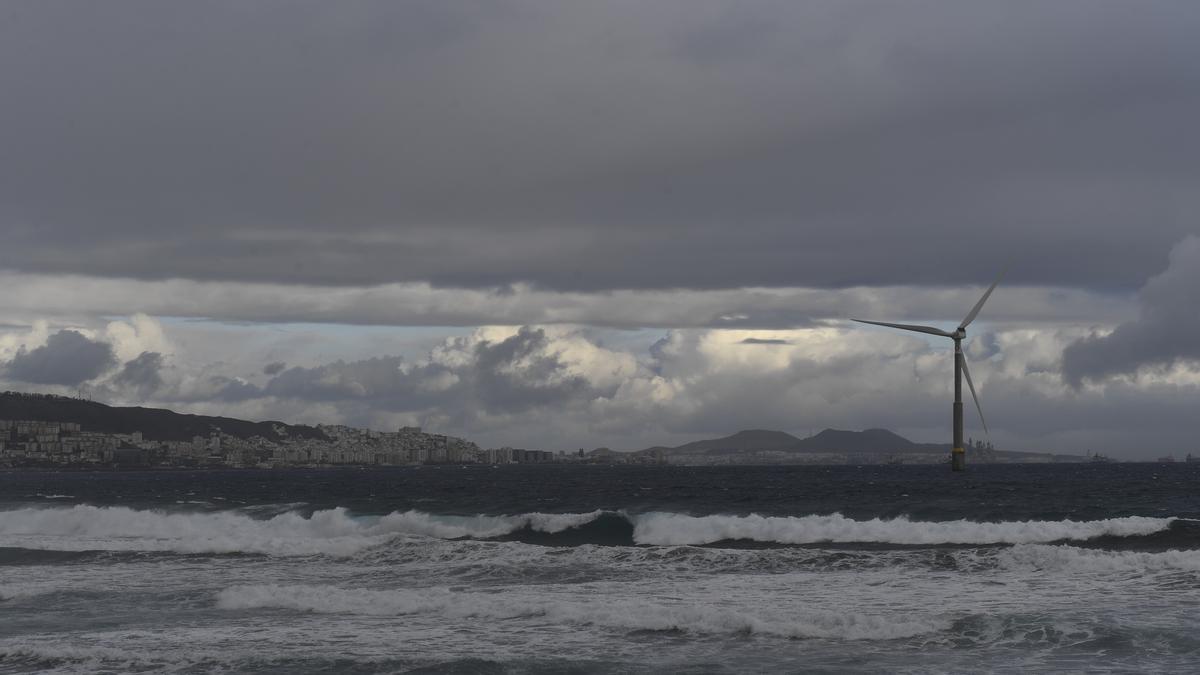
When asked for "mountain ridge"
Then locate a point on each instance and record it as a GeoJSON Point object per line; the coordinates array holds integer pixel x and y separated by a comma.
{"type": "Point", "coordinates": [873, 441]}
{"type": "Point", "coordinates": [827, 440]}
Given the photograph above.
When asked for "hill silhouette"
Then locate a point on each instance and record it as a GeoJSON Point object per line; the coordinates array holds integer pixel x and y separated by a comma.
{"type": "Point", "coordinates": [878, 442]}
{"type": "Point", "coordinates": [155, 423]}
{"type": "Point", "coordinates": [870, 440]}
{"type": "Point", "coordinates": [742, 441]}
{"type": "Point", "coordinates": [874, 441]}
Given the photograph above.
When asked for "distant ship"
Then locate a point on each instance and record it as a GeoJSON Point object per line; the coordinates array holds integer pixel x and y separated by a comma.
{"type": "Point", "coordinates": [1169, 459]}
{"type": "Point", "coordinates": [1191, 459]}
{"type": "Point", "coordinates": [1101, 459]}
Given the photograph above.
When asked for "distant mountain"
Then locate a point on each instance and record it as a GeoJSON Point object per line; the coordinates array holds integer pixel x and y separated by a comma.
{"type": "Point", "coordinates": [154, 423]}
{"type": "Point", "coordinates": [743, 441]}
{"type": "Point", "coordinates": [880, 443]}
{"type": "Point", "coordinates": [828, 441]}
{"type": "Point", "coordinates": [871, 440]}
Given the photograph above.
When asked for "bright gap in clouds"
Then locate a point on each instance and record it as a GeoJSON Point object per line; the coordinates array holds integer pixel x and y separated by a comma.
{"type": "Point", "coordinates": [562, 385]}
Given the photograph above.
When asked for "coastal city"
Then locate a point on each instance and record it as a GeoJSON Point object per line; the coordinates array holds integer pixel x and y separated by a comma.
{"type": "Point", "coordinates": [38, 443]}
{"type": "Point", "coordinates": [51, 431]}
{"type": "Point", "coordinates": [33, 443]}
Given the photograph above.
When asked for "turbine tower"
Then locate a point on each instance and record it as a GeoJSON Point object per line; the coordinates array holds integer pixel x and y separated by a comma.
{"type": "Point", "coordinates": [958, 460]}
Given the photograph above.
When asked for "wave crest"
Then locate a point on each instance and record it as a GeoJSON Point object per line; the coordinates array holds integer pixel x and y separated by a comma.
{"type": "Point", "coordinates": [117, 528]}
{"type": "Point", "coordinates": [338, 533]}
{"type": "Point", "coordinates": [329, 532]}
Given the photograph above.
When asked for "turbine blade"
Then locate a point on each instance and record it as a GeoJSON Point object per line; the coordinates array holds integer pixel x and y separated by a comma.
{"type": "Point", "coordinates": [974, 397]}
{"type": "Point", "coordinates": [979, 305]}
{"type": "Point", "coordinates": [905, 326]}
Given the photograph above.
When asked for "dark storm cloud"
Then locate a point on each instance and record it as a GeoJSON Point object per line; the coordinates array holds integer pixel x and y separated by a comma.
{"type": "Point", "coordinates": [1166, 331]}
{"type": "Point", "coordinates": [490, 377]}
{"type": "Point", "coordinates": [600, 145]}
{"type": "Point", "coordinates": [67, 358]}
{"type": "Point", "coordinates": [274, 368]}
{"type": "Point", "coordinates": [142, 375]}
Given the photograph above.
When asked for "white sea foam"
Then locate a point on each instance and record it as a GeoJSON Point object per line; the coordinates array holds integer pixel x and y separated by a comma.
{"type": "Point", "coordinates": [146, 654]}
{"type": "Point", "coordinates": [96, 657]}
{"type": "Point", "coordinates": [27, 589]}
{"type": "Point", "coordinates": [621, 614]}
{"type": "Point", "coordinates": [672, 528]}
{"type": "Point", "coordinates": [1040, 557]}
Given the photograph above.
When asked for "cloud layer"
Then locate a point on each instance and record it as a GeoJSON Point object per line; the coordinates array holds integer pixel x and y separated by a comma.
{"type": "Point", "coordinates": [44, 295]}
{"type": "Point", "coordinates": [562, 387]}
{"type": "Point", "coordinates": [598, 146]}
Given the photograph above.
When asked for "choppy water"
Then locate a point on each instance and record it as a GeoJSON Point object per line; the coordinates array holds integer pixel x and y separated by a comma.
{"type": "Point", "coordinates": [603, 570]}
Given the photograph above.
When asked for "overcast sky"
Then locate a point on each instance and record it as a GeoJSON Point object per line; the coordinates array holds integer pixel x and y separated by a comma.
{"type": "Point", "coordinates": [566, 224]}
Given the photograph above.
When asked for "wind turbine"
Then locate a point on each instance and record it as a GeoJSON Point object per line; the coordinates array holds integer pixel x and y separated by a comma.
{"type": "Point", "coordinates": [957, 454]}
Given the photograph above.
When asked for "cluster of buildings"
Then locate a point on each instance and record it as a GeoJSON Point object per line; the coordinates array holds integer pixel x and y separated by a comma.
{"type": "Point", "coordinates": [53, 442]}
{"type": "Point", "coordinates": [36, 443]}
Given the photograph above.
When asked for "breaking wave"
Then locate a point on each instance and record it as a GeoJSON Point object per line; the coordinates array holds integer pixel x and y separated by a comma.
{"type": "Point", "coordinates": [336, 532]}
{"type": "Point", "coordinates": [619, 614]}
{"type": "Point", "coordinates": [117, 528]}
{"type": "Point", "coordinates": [329, 532]}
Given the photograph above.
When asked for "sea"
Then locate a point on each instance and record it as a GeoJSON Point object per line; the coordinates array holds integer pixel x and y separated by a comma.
{"type": "Point", "coordinates": [603, 569]}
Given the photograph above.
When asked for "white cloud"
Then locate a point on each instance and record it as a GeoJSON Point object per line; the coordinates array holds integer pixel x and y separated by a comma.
{"type": "Point", "coordinates": [564, 386]}
{"type": "Point", "coordinates": [12, 341]}
{"type": "Point", "coordinates": [140, 333]}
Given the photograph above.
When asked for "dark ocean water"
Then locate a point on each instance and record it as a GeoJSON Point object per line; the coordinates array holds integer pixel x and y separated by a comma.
{"type": "Point", "coordinates": [594, 569]}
